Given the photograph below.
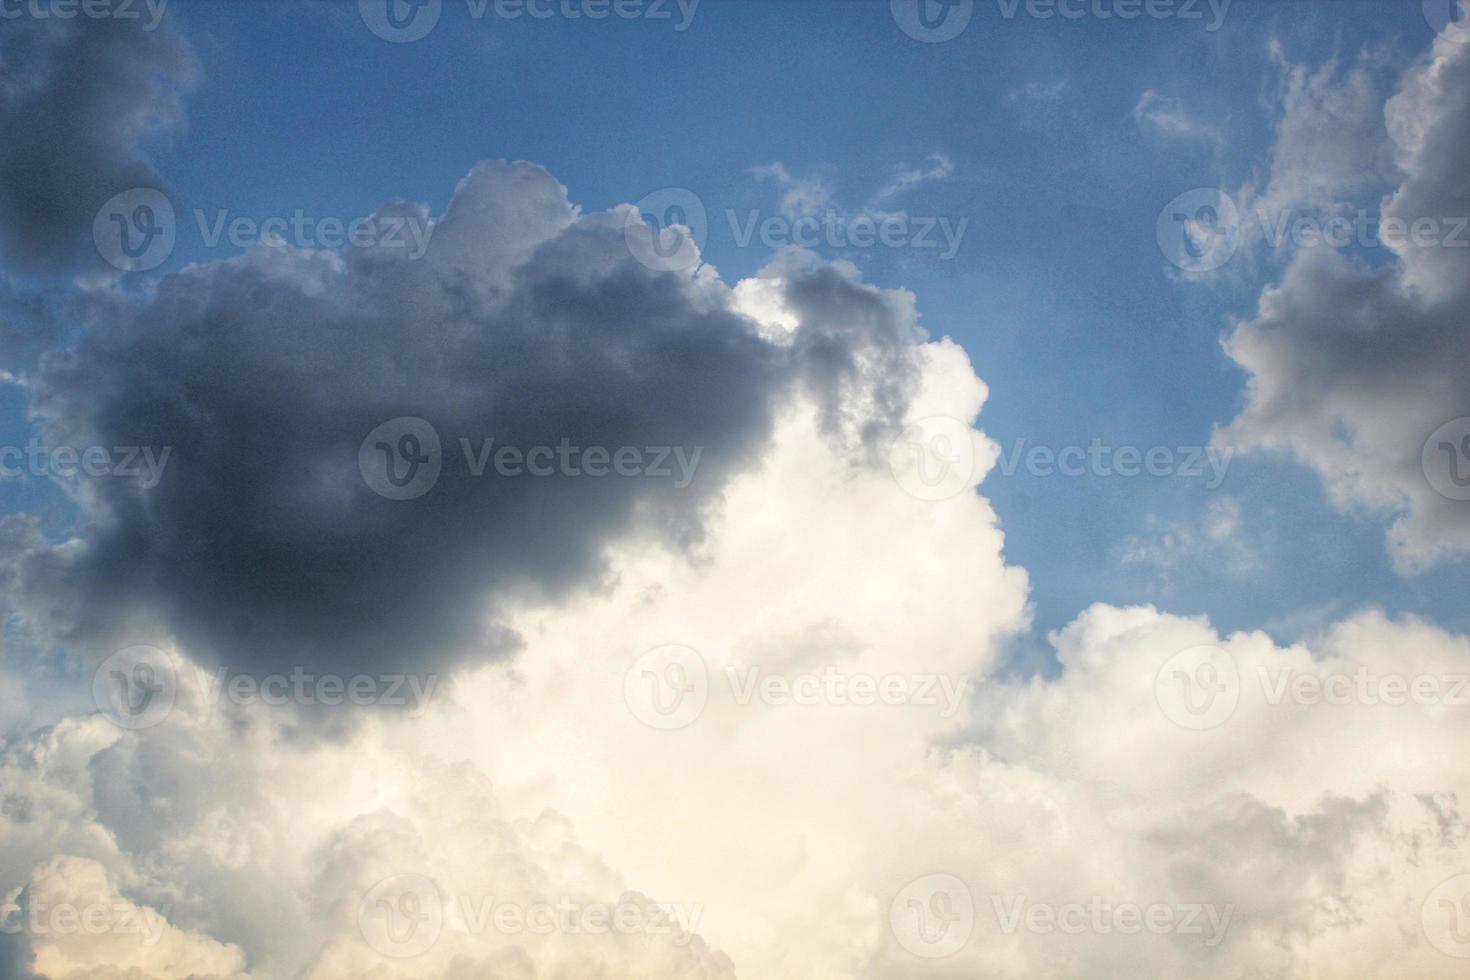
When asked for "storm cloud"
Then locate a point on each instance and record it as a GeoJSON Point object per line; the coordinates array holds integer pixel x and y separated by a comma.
{"type": "Point", "coordinates": [78, 97]}
{"type": "Point", "coordinates": [283, 384]}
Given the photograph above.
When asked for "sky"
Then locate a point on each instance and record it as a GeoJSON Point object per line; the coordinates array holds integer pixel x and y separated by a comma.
{"type": "Point", "coordinates": [1025, 355]}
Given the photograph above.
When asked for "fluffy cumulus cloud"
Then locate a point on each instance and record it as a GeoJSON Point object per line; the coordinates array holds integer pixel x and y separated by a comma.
{"type": "Point", "coordinates": [773, 753]}
{"type": "Point", "coordinates": [756, 723]}
{"type": "Point", "coordinates": [1357, 358]}
{"type": "Point", "coordinates": [79, 100]}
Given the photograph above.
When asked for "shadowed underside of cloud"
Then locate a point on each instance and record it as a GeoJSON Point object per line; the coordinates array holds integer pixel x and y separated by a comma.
{"type": "Point", "coordinates": [264, 545]}
{"type": "Point", "coordinates": [1354, 368]}
{"type": "Point", "coordinates": [77, 97]}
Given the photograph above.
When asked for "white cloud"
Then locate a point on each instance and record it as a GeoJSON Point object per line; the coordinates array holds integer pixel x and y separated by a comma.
{"type": "Point", "coordinates": [1167, 114]}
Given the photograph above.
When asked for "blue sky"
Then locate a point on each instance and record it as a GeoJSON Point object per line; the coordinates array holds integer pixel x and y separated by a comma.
{"type": "Point", "coordinates": [1058, 290]}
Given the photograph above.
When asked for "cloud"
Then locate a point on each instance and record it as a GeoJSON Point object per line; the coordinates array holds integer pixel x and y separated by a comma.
{"type": "Point", "coordinates": [1331, 141]}
{"type": "Point", "coordinates": [78, 99]}
{"type": "Point", "coordinates": [803, 197]}
{"type": "Point", "coordinates": [267, 377]}
{"type": "Point", "coordinates": [1040, 92]}
{"type": "Point", "coordinates": [936, 168]}
{"type": "Point", "coordinates": [1168, 115]}
{"type": "Point", "coordinates": [1354, 365]}
{"type": "Point", "coordinates": [789, 820]}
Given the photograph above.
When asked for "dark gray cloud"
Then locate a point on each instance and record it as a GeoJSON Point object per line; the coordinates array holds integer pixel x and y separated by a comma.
{"type": "Point", "coordinates": [77, 97]}
{"type": "Point", "coordinates": [1356, 364]}
{"type": "Point", "coordinates": [264, 544]}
